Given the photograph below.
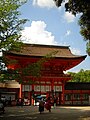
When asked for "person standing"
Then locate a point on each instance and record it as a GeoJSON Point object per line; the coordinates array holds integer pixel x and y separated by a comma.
{"type": "Point", "coordinates": [55, 101]}
{"type": "Point", "coordinates": [41, 106]}
{"type": "Point", "coordinates": [48, 104]}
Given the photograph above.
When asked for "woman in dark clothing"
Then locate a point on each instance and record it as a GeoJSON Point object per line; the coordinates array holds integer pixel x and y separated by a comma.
{"type": "Point", "coordinates": [41, 106]}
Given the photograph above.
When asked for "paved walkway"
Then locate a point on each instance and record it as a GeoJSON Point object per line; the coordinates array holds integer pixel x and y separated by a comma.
{"type": "Point", "coordinates": [58, 113]}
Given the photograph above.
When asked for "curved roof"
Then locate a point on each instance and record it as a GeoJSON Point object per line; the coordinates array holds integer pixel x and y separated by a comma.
{"type": "Point", "coordinates": [29, 53]}
{"type": "Point", "coordinates": [43, 50]}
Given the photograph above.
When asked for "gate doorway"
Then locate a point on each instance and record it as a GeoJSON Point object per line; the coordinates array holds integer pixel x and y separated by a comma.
{"type": "Point", "coordinates": [57, 95]}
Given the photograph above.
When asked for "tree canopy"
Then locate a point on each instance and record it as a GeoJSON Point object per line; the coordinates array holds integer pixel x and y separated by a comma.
{"type": "Point", "coordinates": [10, 24]}
{"type": "Point", "coordinates": [10, 27]}
{"type": "Point", "coordinates": [80, 7]}
{"type": "Point", "coordinates": [81, 76]}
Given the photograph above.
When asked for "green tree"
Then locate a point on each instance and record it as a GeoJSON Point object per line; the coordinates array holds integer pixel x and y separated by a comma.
{"type": "Point", "coordinates": [80, 7]}
{"type": "Point", "coordinates": [10, 27]}
{"type": "Point", "coordinates": [10, 24]}
{"type": "Point", "coordinates": [81, 76]}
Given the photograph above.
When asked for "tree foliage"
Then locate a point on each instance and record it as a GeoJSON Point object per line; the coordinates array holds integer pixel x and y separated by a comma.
{"type": "Point", "coordinates": [10, 27]}
{"type": "Point", "coordinates": [10, 24]}
{"type": "Point", "coordinates": [80, 7]}
{"type": "Point", "coordinates": [88, 47]}
{"type": "Point", "coordinates": [81, 76]}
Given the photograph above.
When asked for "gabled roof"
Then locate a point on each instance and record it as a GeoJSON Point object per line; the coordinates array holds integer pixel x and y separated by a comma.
{"type": "Point", "coordinates": [43, 50]}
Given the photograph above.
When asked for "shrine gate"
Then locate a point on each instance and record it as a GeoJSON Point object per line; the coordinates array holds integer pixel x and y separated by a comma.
{"type": "Point", "coordinates": [52, 79]}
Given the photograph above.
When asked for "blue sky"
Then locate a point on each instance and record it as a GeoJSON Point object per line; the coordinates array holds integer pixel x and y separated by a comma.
{"type": "Point", "coordinates": [51, 25]}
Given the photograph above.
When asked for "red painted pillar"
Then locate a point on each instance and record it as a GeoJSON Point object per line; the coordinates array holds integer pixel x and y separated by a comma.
{"type": "Point", "coordinates": [63, 92]}
{"type": "Point", "coordinates": [32, 99]}
{"type": "Point", "coordinates": [20, 92]}
{"type": "Point", "coordinates": [52, 87]}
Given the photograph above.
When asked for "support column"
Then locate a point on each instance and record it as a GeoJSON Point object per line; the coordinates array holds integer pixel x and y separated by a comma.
{"type": "Point", "coordinates": [52, 87]}
{"type": "Point", "coordinates": [32, 96]}
{"type": "Point", "coordinates": [20, 92]}
{"type": "Point", "coordinates": [63, 92]}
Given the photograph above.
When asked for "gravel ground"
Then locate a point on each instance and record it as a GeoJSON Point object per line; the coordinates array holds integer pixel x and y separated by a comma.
{"type": "Point", "coordinates": [57, 113]}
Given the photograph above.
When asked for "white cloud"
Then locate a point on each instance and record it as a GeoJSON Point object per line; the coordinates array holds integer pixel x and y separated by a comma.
{"type": "Point", "coordinates": [69, 17]}
{"type": "Point", "coordinates": [44, 3]}
{"type": "Point", "coordinates": [36, 34]}
{"type": "Point", "coordinates": [75, 51]}
{"type": "Point", "coordinates": [68, 32]}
